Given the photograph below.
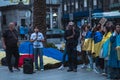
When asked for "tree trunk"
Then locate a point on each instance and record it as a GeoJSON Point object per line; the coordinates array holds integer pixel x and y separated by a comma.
{"type": "Point", "coordinates": [39, 15]}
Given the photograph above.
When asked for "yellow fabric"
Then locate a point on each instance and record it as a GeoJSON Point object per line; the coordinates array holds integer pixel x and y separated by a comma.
{"type": "Point", "coordinates": [93, 45]}
{"type": "Point", "coordinates": [2, 54]}
{"type": "Point", "coordinates": [118, 52]}
{"type": "Point", "coordinates": [47, 60]}
{"type": "Point", "coordinates": [87, 46]}
{"type": "Point", "coordinates": [98, 46]}
{"type": "Point", "coordinates": [106, 37]}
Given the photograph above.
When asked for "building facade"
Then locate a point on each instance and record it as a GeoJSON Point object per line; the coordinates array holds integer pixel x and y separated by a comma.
{"type": "Point", "coordinates": [80, 11]}
{"type": "Point", "coordinates": [22, 13]}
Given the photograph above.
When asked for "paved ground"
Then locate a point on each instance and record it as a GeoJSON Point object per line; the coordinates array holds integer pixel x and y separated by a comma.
{"type": "Point", "coordinates": [53, 74]}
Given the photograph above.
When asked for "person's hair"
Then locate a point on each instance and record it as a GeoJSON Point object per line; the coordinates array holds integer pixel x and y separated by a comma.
{"type": "Point", "coordinates": [117, 24]}
{"type": "Point", "coordinates": [108, 28]}
{"type": "Point", "coordinates": [98, 27]}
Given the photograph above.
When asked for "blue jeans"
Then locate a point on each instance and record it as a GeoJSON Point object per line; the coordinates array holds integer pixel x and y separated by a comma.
{"type": "Point", "coordinates": [64, 56]}
{"type": "Point", "coordinates": [90, 58]}
{"type": "Point", "coordinates": [38, 52]}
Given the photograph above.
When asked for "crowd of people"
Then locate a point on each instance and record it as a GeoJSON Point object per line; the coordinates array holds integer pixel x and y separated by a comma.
{"type": "Point", "coordinates": [100, 47]}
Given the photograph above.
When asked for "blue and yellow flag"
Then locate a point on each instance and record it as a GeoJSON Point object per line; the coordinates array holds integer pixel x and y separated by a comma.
{"type": "Point", "coordinates": [105, 43]}
{"type": "Point", "coordinates": [87, 46]}
{"type": "Point", "coordinates": [96, 43]}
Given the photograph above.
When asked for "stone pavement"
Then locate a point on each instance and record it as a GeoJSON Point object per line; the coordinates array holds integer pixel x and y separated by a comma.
{"type": "Point", "coordinates": [52, 74]}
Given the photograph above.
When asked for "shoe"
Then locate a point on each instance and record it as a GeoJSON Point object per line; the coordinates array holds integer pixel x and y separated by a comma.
{"type": "Point", "coordinates": [17, 68]}
{"type": "Point", "coordinates": [42, 69]}
{"type": "Point", "coordinates": [37, 69]}
{"type": "Point", "coordinates": [83, 66]}
{"type": "Point", "coordinates": [104, 74]}
{"type": "Point", "coordinates": [10, 70]}
{"type": "Point", "coordinates": [69, 70]}
{"type": "Point", "coordinates": [61, 67]}
{"type": "Point", "coordinates": [96, 70]}
{"type": "Point", "coordinates": [74, 70]}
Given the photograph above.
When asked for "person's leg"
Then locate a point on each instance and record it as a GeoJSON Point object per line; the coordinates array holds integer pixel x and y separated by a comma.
{"type": "Point", "coordinates": [41, 59]}
{"type": "Point", "coordinates": [74, 60]}
{"type": "Point", "coordinates": [16, 55]}
{"type": "Point", "coordinates": [84, 59]}
{"type": "Point", "coordinates": [9, 56]}
{"type": "Point", "coordinates": [36, 57]}
{"type": "Point", "coordinates": [69, 52]}
{"type": "Point", "coordinates": [90, 59]}
{"type": "Point", "coordinates": [64, 56]}
{"type": "Point", "coordinates": [63, 59]}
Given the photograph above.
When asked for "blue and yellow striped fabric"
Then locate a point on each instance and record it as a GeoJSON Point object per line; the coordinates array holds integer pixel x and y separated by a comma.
{"type": "Point", "coordinates": [96, 43]}
{"type": "Point", "coordinates": [87, 46]}
{"type": "Point", "coordinates": [106, 45]}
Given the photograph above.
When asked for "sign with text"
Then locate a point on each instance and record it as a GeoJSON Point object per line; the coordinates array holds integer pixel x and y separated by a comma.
{"type": "Point", "coordinates": [103, 21]}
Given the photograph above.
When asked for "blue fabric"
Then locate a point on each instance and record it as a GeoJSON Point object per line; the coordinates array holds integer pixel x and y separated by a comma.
{"type": "Point", "coordinates": [88, 35]}
{"type": "Point", "coordinates": [98, 37]}
{"type": "Point", "coordinates": [118, 40]}
{"type": "Point", "coordinates": [22, 30]}
{"type": "Point", "coordinates": [113, 58]}
{"type": "Point", "coordinates": [105, 47]}
{"type": "Point", "coordinates": [54, 53]}
{"type": "Point", "coordinates": [27, 47]}
{"type": "Point", "coordinates": [26, 30]}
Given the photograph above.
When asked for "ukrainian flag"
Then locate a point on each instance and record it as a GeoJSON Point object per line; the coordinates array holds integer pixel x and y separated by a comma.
{"type": "Point", "coordinates": [96, 43]}
{"type": "Point", "coordinates": [87, 46]}
{"type": "Point", "coordinates": [105, 43]}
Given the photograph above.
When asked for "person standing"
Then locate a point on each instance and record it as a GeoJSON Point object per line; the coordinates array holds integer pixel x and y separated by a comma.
{"type": "Point", "coordinates": [64, 55]}
{"type": "Point", "coordinates": [71, 36]}
{"type": "Point", "coordinates": [114, 56]}
{"type": "Point", "coordinates": [10, 40]}
{"type": "Point", "coordinates": [37, 38]}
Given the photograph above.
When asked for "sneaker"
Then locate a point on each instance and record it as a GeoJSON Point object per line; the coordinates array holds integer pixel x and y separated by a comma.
{"type": "Point", "coordinates": [16, 68]}
{"type": "Point", "coordinates": [104, 74]}
{"type": "Point", "coordinates": [61, 67]}
{"type": "Point", "coordinates": [83, 66]}
{"type": "Point", "coordinates": [96, 70]}
{"type": "Point", "coordinates": [74, 70]}
{"type": "Point", "coordinates": [10, 70]}
{"type": "Point", "coordinates": [42, 69]}
{"type": "Point", "coordinates": [37, 69]}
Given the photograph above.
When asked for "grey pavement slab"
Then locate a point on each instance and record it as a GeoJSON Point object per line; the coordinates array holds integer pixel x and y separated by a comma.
{"type": "Point", "coordinates": [53, 74]}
